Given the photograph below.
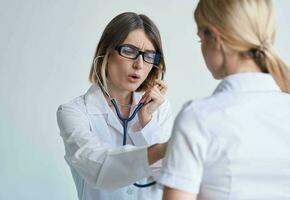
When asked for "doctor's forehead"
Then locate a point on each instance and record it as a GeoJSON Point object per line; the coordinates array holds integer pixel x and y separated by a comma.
{"type": "Point", "coordinates": [139, 39]}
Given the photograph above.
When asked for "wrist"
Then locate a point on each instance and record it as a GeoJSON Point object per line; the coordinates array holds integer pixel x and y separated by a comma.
{"type": "Point", "coordinates": [144, 119]}
{"type": "Point", "coordinates": [155, 153]}
{"type": "Point", "coordinates": [151, 156]}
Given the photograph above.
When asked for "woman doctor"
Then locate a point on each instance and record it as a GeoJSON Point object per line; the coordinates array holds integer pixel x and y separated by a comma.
{"type": "Point", "coordinates": [234, 144]}
{"type": "Point", "coordinates": [127, 67]}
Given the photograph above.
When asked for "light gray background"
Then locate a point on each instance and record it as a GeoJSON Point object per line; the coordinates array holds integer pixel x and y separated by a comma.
{"type": "Point", "coordinates": [46, 48]}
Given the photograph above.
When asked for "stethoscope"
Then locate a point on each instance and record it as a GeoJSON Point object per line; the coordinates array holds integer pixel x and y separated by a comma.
{"type": "Point", "coordinates": [124, 120]}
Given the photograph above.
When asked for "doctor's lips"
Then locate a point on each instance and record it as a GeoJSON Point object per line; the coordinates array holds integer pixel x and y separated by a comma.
{"type": "Point", "coordinates": [134, 77]}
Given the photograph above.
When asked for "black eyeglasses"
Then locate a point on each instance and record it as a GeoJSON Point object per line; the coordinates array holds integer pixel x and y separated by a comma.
{"type": "Point", "coordinates": [132, 52]}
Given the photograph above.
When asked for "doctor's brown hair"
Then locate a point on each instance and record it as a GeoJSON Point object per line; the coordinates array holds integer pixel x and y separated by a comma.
{"type": "Point", "coordinates": [248, 27]}
{"type": "Point", "coordinates": [114, 34]}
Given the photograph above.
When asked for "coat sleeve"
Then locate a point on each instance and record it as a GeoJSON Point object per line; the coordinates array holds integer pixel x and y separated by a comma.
{"type": "Point", "coordinates": [101, 166]}
{"type": "Point", "coordinates": [158, 130]}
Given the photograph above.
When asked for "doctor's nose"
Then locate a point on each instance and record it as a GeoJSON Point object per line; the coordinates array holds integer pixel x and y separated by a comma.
{"type": "Point", "coordinates": [138, 62]}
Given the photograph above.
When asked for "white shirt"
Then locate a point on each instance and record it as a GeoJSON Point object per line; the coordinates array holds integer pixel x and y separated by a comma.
{"type": "Point", "coordinates": [233, 145]}
{"type": "Point", "coordinates": [102, 168]}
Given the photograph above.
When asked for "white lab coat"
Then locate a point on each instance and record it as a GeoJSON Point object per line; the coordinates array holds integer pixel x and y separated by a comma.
{"type": "Point", "coordinates": [233, 145]}
{"type": "Point", "coordinates": [101, 167]}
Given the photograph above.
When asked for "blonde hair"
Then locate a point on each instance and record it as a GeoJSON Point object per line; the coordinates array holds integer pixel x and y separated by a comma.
{"type": "Point", "coordinates": [248, 27]}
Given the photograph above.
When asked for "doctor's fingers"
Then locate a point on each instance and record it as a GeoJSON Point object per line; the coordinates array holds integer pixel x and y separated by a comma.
{"type": "Point", "coordinates": [154, 95]}
{"type": "Point", "coordinates": [146, 94]}
{"type": "Point", "coordinates": [161, 86]}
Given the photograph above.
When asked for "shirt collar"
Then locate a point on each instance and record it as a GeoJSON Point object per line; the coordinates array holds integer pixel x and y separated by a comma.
{"type": "Point", "coordinates": [248, 82]}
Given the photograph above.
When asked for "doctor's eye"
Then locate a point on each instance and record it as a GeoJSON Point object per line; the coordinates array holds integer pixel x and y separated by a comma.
{"type": "Point", "coordinates": [128, 51]}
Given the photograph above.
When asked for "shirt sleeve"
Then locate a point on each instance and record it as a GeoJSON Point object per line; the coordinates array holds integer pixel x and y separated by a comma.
{"type": "Point", "coordinates": [101, 166]}
{"type": "Point", "coordinates": [186, 152]}
{"type": "Point", "coordinates": [158, 130]}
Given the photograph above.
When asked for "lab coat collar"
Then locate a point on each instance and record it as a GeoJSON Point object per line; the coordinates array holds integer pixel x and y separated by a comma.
{"type": "Point", "coordinates": [96, 104]}
{"type": "Point", "coordinates": [248, 82]}
{"type": "Point", "coordinates": [95, 101]}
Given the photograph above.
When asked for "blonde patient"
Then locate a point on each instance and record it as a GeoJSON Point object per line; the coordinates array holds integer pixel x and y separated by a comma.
{"type": "Point", "coordinates": [234, 144]}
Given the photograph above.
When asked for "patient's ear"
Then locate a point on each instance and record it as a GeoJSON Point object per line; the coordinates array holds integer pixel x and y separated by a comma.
{"type": "Point", "coordinates": [216, 36]}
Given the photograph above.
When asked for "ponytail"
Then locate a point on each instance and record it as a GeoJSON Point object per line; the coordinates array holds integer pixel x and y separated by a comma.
{"type": "Point", "coordinates": [268, 60]}
{"type": "Point", "coordinates": [278, 69]}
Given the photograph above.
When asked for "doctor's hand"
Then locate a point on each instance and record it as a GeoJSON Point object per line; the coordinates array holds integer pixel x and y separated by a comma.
{"type": "Point", "coordinates": [152, 99]}
{"type": "Point", "coordinates": [156, 152]}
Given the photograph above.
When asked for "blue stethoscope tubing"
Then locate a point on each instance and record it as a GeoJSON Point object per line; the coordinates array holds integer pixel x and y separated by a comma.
{"type": "Point", "coordinates": [124, 120]}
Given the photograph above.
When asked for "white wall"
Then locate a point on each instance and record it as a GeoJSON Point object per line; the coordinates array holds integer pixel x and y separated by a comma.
{"type": "Point", "coordinates": [46, 48]}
